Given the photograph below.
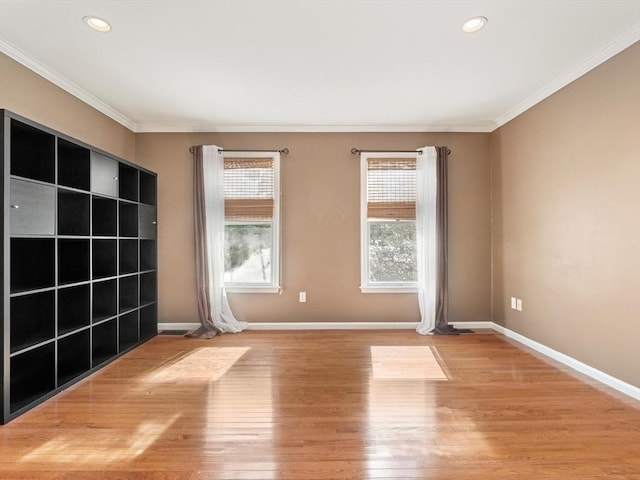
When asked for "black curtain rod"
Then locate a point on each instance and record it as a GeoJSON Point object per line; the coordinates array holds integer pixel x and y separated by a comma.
{"type": "Point", "coordinates": [284, 151]}
{"type": "Point", "coordinates": [355, 150]}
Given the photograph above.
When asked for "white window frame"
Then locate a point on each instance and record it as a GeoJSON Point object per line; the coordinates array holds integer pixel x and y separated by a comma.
{"type": "Point", "coordinates": [274, 286]}
{"type": "Point", "coordinates": [366, 286]}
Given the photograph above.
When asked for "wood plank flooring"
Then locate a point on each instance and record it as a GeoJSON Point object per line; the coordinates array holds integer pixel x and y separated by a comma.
{"type": "Point", "coordinates": [306, 405]}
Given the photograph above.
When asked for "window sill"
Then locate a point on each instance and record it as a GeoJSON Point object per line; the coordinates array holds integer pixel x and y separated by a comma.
{"type": "Point", "coordinates": [252, 289]}
{"type": "Point", "coordinates": [389, 289]}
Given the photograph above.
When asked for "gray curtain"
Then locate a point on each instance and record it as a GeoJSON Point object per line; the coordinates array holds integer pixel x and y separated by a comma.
{"type": "Point", "coordinates": [442, 224]}
{"type": "Point", "coordinates": [207, 328]}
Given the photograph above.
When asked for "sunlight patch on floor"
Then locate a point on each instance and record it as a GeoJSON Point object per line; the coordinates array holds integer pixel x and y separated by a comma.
{"type": "Point", "coordinates": [405, 362]}
{"type": "Point", "coordinates": [108, 446]}
{"type": "Point", "coordinates": [203, 365]}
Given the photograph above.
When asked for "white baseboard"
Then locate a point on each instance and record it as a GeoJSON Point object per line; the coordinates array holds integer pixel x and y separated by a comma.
{"type": "Point", "coordinates": [178, 326]}
{"type": "Point", "coordinates": [334, 326]}
{"type": "Point", "coordinates": [485, 325]}
{"type": "Point", "coordinates": [306, 326]}
{"type": "Point", "coordinates": [606, 379]}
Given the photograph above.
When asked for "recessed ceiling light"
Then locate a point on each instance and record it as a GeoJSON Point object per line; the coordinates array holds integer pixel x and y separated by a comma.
{"type": "Point", "coordinates": [474, 24]}
{"type": "Point", "coordinates": [97, 23]}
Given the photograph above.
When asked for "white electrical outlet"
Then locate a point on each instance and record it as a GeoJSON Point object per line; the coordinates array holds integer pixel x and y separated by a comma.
{"type": "Point", "coordinates": [302, 297]}
{"type": "Point", "coordinates": [513, 303]}
{"type": "Point", "coordinates": [519, 304]}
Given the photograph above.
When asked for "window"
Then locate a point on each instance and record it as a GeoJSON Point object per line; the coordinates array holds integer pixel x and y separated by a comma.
{"type": "Point", "coordinates": [388, 222]}
{"type": "Point", "coordinates": [251, 230]}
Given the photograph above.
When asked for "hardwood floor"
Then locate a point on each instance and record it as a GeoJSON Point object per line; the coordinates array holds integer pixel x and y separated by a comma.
{"type": "Point", "coordinates": [310, 405]}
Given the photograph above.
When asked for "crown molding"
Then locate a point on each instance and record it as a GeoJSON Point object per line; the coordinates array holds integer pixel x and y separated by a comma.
{"type": "Point", "coordinates": [214, 128]}
{"type": "Point", "coordinates": [600, 56]}
{"type": "Point", "coordinates": [616, 46]}
{"type": "Point", "coordinates": [65, 84]}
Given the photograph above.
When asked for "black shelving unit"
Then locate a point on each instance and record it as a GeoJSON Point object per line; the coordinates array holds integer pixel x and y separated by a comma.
{"type": "Point", "coordinates": [80, 260]}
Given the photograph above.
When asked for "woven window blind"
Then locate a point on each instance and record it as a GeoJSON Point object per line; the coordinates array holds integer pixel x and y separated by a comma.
{"type": "Point", "coordinates": [391, 188]}
{"type": "Point", "coordinates": [248, 189]}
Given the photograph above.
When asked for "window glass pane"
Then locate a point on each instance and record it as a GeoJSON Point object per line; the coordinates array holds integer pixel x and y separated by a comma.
{"type": "Point", "coordinates": [392, 252]}
{"type": "Point", "coordinates": [247, 256]}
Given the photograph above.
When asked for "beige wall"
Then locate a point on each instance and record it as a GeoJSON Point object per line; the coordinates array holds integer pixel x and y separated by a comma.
{"type": "Point", "coordinates": [566, 216]}
{"type": "Point", "coordinates": [320, 226]}
{"type": "Point", "coordinates": [30, 95]}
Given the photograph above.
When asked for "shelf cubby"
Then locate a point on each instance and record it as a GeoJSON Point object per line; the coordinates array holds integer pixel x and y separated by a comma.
{"type": "Point", "coordinates": [74, 212]}
{"type": "Point", "coordinates": [148, 259]}
{"type": "Point", "coordinates": [128, 219]}
{"type": "Point", "coordinates": [32, 263]}
{"type": "Point", "coordinates": [32, 152]}
{"type": "Point", "coordinates": [128, 182]}
{"type": "Point", "coordinates": [147, 188]}
{"type": "Point", "coordinates": [104, 221]}
{"type": "Point", "coordinates": [104, 342]}
{"type": "Point", "coordinates": [32, 319]}
{"type": "Point", "coordinates": [128, 256]}
{"type": "Point", "coordinates": [128, 334]}
{"type": "Point", "coordinates": [128, 293]}
{"type": "Point", "coordinates": [148, 289]}
{"type": "Point", "coordinates": [105, 258]}
{"type": "Point", "coordinates": [73, 260]}
{"type": "Point", "coordinates": [148, 321]}
{"type": "Point", "coordinates": [74, 308]}
{"type": "Point", "coordinates": [104, 174]}
{"type": "Point", "coordinates": [32, 375]}
{"type": "Point", "coordinates": [147, 222]}
{"type": "Point", "coordinates": [74, 356]}
{"type": "Point", "coordinates": [73, 165]}
{"type": "Point", "coordinates": [33, 208]}
{"type": "Point", "coordinates": [105, 300]}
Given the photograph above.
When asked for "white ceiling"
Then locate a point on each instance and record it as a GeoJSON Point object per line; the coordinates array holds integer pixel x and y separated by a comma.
{"type": "Point", "coordinates": [387, 65]}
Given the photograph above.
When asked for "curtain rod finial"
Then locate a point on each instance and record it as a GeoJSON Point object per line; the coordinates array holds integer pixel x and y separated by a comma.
{"type": "Point", "coordinates": [284, 151]}
{"type": "Point", "coordinates": [354, 150]}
